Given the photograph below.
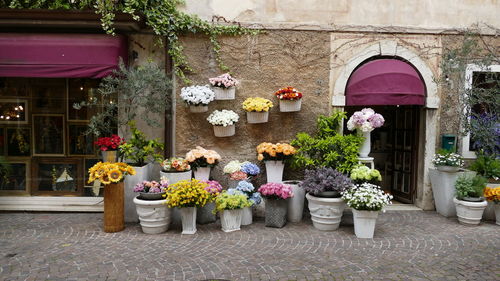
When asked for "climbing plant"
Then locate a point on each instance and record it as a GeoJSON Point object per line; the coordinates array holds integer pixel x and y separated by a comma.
{"type": "Point", "coordinates": [162, 16]}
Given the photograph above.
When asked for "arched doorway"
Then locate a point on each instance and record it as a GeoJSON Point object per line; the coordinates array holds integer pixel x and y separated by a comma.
{"type": "Point", "coordinates": [394, 88]}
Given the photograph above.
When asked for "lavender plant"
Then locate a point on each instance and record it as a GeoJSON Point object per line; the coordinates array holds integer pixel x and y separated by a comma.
{"type": "Point", "coordinates": [325, 179]}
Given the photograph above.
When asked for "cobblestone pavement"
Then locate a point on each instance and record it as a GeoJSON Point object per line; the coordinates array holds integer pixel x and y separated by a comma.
{"type": "Point", "coordinates": [408, 245]}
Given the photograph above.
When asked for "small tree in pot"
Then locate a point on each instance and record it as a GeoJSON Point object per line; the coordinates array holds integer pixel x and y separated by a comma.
{"type": "Point", "coordinates": [469, 202]}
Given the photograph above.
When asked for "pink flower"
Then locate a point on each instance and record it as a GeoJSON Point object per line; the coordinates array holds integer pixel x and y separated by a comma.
{"type": "Point", "coordinates": [239, 175]}
{"type": "Point", "coordinates": [273, 189]}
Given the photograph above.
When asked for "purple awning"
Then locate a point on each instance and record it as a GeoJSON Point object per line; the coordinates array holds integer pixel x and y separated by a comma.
{"type": "Point", "coordinates": [60, 55]}
{"type": "Point", "coordinates": [385, 82]}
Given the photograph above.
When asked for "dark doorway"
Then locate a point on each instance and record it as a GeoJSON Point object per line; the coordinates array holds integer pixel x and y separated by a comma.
{"type": "Point", "coordinates": [395, 149]}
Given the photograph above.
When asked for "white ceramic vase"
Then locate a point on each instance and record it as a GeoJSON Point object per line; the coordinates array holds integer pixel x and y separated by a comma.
{"type": "Point", "coordinates": [202, 173]}
{"type": "Point", "coordinates": [364, 223]}
{"type": "Point", "coordinates": [224, 93]}
{"type": "Point", "coordinates": [296, 203]}
{"type": "Point", "coordinates": [274, 171]}
{"type": "Point", "coordinates": [230, 220]}
{"type": "Point", "coordinates": [174, 177]}
{"type": "Point", "coordinates": [257, 117]}
{"type": "Point", "coordinates": [198, 108]}
{"type": "Point", "coordinates": [469, 213]}
{"type": "Point", "coordinates": [188, 218]}
{"type": "Point", "coordinates": [222, 132]}
{"type": "Point", "coordinates": [290, 105]}
{"type": "Point", "coordinates": [154, 215]}
{"type": "Point", "coordinates": [326, 213]}
{"type": "Point", "coordinates": [246, 216]}
{"type": "Point", "coordinates": [365, 147]}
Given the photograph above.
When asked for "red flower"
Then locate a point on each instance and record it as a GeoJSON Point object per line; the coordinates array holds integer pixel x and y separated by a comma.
{"type": "Point", "coordinates": [109, 143]}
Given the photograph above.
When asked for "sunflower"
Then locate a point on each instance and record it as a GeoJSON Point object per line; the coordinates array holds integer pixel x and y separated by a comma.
{"type": "Point", "coordinates": [105, 179]}
{"type": "Point", "coordinates": [115, 175]}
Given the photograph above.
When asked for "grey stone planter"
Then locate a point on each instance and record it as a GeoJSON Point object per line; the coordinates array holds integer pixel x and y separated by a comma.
{"type": "Point", "coordinates": [204, 214]}
{"type": "Point", "coordinates": [275, 212]}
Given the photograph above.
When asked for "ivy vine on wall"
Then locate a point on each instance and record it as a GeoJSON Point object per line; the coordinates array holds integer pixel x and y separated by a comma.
{"type": "Point", "coordinates": [162, 16]}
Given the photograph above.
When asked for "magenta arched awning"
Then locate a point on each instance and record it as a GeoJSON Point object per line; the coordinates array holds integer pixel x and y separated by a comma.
{"type": "Point", "coordinates": [385, 82]}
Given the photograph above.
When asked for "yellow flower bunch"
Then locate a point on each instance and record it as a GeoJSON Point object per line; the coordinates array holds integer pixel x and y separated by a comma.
{"type": "Point", "coordinates": [188, 193]}
{"type": "Point", "coordinates": [257, 104]}
{"type": "Point", "coordinates": [492, 194]}
{"type": "Point", "coordinates": [109, 172]}
{"type": "Point", "coordinates": [271, 151]}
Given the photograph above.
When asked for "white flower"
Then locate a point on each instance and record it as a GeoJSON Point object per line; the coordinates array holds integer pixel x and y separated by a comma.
{"type": "Point", "coordinates": [366, 127]}
{"type": "Point", "coordinates": [197, 95]}
{"type": "Point", "coordinates": [223, 118]}
{"type": "Point", "coordinates": [233, 166]}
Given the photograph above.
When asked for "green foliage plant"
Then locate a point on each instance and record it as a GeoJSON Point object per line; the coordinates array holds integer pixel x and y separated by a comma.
{"type": "Point", "coordinates": [468, 185]}
{"type": "Point", "coordinates": [138, 149]}
{"type": "Point", "coordinates": [328, 148]}
{"type": "Point", "coordinates": [486, 166]}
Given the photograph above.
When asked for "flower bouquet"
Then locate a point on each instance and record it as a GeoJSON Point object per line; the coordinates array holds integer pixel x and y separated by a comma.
{"type": "Point", "coordinates": [257, 109]}
{"type": "Point", "coordinates": [364, 122]}
{"type": "Point", "coordinates": [290, 99]}
{"type": "Point", "coordinates": [447, 161]}
{"type": "Point", "coordinates": [201, 160]}
{"type": "Point", "coordinates": [223, 122]}
{"type": "Point", "coordinates": [492, 194]}
{"type": "Point", "coordinates": [253, 197]}
{"type": "Point", "coordinates": [108, 173]}
{"type": "Point", "coordinates": [109, 147]}
{"type": "Point", "coordinates": [362, 173]}
{"type": "Point", "coordinates": [206, 214]}
{"type": "Point", "coordinates": [152, 190]}
{"type": "Point", "coordinates": [276, 206]}
{"type": "Point", "coordinates": [239, 171]}
{"type": "Point", "coordinates": [175, 169]}
{"type": "Point", "coordinates": [224, 86]}
{"type": "Point", "coordinates": [273, 155]}
{"type": "Point", "coordinates": [197, 97]}
{"type": "Point", "coordinates": [230, 206]}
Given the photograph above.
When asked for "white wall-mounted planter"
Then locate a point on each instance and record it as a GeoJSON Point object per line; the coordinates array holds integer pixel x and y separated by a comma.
{"type": "Point", "coordinates": [230, 220]}
{"type": "Point", "coordinates": [257, 117]}
{"type": "Point", "coordinates": [228, 131]}
{"type": "Point", "coordinates": [202, 173]}
{"type": "Point", "coordinates": [364, 223]}
{"type": "Point", "coordinates": [469, 213]}
{"type": "Point", "coordinates": [295, 204]}
{"type": "Point", "coordinates": [274, 170]}
{"type": "Point", "coordinates": [326, 213]}
{"type": "Point", "coordinates": [224, 94]}
{"type": "Point", "coordinates": [290, 105]}
{"type": "Point", "coordinates": [198, 108]}
{"type": "Point", "coordinates": [141, 174]}
{"type": "Point", "coordinates": [154, 215]}
{"type": "Point", "coordinates": [246, 216]}
{"type": "Point", "coordinates": [188, 217]}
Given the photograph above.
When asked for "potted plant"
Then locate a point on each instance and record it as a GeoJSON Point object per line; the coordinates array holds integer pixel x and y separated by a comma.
{"type": "Point", "coordinates": [205, 214]}
{"type": "Point", "coordinates": [224, 122]}
{"type": "Point", "coordinates": [290, 99]}
{"type": "Point", "coordinates": [224, 86]}
{"type": "Point", "coordinates": [295, 205]}
{"type": "Point", "coordinates": [364, 122]}
{"type": "Point", "coordinates": [175, 169]}
{"type": "Point", "coordinates": [201, 161]}
{"type": "Point", "coordinates": [489, 167]}
{"type": "Point", "coordinates": [154, 216]}
{"type": "Point", "coordinates": [257, 109]}
{"type": "Point", "coordinates": [230, 205]}
{"type": "Point", "coordinates": [275, 195]}
{"type": "Point", "coordinates": [447, 161]}
{"type": "Point", "coordinates": [492, 194]}
{"type": "Point", "coordinates": [361, 174]}
{"type": "Point", "coordinates": [139, 152]}
{"type": "Point", "coordinates": [239, 171]}
{"type": "Point", "coordinates": [197, 98]}
{"type": "Point", "coordinates": [324, 187]}
{"type": "Point", "coordinates": [112, 176]}
{"type": "Point", "coordinates": [273, 156]}
{"type": "Point", "coordinates": [109, 147]}
{"type": "Point", "coordinates": [366, 201]}
{"type": "Point", "coordinates": [254, 198]}
{"type": "Point", "coordinates": [187, 196]}
{"type": "Point", "coordinates": [469, 199]}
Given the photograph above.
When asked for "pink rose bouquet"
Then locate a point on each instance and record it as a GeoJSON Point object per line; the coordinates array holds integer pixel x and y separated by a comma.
{"type": "Point", "coordinates": [275, 190]}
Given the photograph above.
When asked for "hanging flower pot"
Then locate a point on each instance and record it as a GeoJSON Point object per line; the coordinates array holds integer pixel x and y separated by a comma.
{"type": "Point", "coordinates": [290, 105]}
{"type": "Point", "coordinates": [198, 108]}
{"type": "Point", "coordinates": [224, 122]}
{"type": "Point", "coordinates": [290, 99]}
{"type": "Point", "coordinates": [230, 220]}
{"type": "Point", "coordinates": [257, 117]}
{"type": "Point", "coordinates": [197, 97]}
{"type": "Point", "coordinates": [257, 109]}
{"type": "Point", "coordinates": [224, 86]}
{"type": "Point", "coordinates": [224, 93]}
{"type": "Point", "coordinates": [221, 131]}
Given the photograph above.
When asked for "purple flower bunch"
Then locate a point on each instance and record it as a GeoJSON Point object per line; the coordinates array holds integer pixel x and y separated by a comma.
{"type": "Point", "coordinates": [365, 120]}
{"type": "Point", "coordinates": [151, 186]}
{"type": "Point", "coordinates": [223, 81]}
{"type": "Point", "coordinates": [275, 190]}
{"type": "Point", "coordinates": [213, 187]}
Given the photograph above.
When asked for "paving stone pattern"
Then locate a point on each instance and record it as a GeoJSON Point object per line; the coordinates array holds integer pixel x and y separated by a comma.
{"type": "Point", "coordinates": [410, 245]}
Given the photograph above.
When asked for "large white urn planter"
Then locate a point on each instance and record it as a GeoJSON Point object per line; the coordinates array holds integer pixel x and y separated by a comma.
{"type": "Point", "coordinates": [224, 93]}
{"type": "Point", "coordinates": [227, 131]}
{"type": "Point", "coordinates": [326, 213]}
{"type": "Point", "coordinates": [274, 171]}
{"type": "Point", "coordinates": [246, 216]}
{"type": "Point", "coordinates": [290, 105]}
{"type": "Point", "coordinates": [198, 108]}
{"type": "Point", "coordinates": [365, 147]}
{"type": "Point", "coordinates": [202, 173]}
{"type": "Point", "coordinates": [154, 215]}
{"type": "Point", "coordinates": [469, 213]}
{"type": "Point", "coordinates": [141, 174]}
{"type": "Point", "coordinates": [230, 220]}
{"type": "Point", "coordinates": [364, 223]}
{"type": "Point", "coordinates": [295, 207]}
{"type": "Point", "coordinates": [188, 218]}
{"type": "Point", "coordinates": [254, 117]}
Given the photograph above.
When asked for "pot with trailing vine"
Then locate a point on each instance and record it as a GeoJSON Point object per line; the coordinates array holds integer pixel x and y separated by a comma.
{"type": "Point", "coordinates": [324, 187]}
{"type": "Point", "coordinates": [469, 199]}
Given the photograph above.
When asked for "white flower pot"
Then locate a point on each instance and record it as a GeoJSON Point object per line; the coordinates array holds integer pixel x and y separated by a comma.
{"type": "Point", "coordinates": [230, 220]}
{"type": "Point", "coordinates": [443, 191]}
{"type": "Point", "coordinates": [198, 108]}
{"type": "Point", "coordinates": [174, 177]}
{"type": "Point", "coordinates": [246, 216]}
{"type": "Point", "coordinates": [141, 174]}
{"type": "Point", "coordinates": [188, 218]}
{"type": "Point", "coordinates": [364, 223]}
{"type": "Point", "coordinates": [489, 212]}
{"type": "Point", "coordinates": [448, 169]}
{"type": "Point", "coordinates": [257, 117]}
{"type": "Point", "coordinates": [296, 203]}
{"type": "Point", "coordinates": [202, 173]}
{"type": "Point", "coordinates": [290, 105]}
{"type": "Point", "coordinates": [224, 94]}
{"type": "Point", "coordinates": [497, 213]}
{"type": "Point", "coordinates": [365, 147]}
{"type": "Point", "coordinates": [221, 131]}
{"type": "Point", "coordinates": [274, 171]}
{"type": "Point", "coordinates": [469, 213]}
{"type": "Point", "coordinates": [154, 215]}
{"type": "Point", "coordinates": [326, 213]}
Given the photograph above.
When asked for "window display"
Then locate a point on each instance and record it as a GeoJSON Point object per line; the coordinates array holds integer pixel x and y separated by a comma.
{"type": "Point", "coordinates": [58, 176]}
{"type": "Point", "coordinates": [18, 141]}
{"type": "Point", "coordinates": [15, 176]}
{"type": "Point", "coordinates": [48, 135]}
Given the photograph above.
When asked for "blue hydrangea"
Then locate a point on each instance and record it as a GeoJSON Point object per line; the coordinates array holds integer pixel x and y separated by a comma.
{"type": "Point", "coordinates": [233, 191]}
{"type": "Point", "coordinates": [250, 169]}
{"type": "Point", "coordinates": [255, 198]}
{"type": "Point", "coordinates": [245, 186]}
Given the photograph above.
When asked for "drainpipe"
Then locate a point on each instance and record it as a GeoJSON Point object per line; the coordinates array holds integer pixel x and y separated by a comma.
{"type": "Point", "coordinates": [169, 136]}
